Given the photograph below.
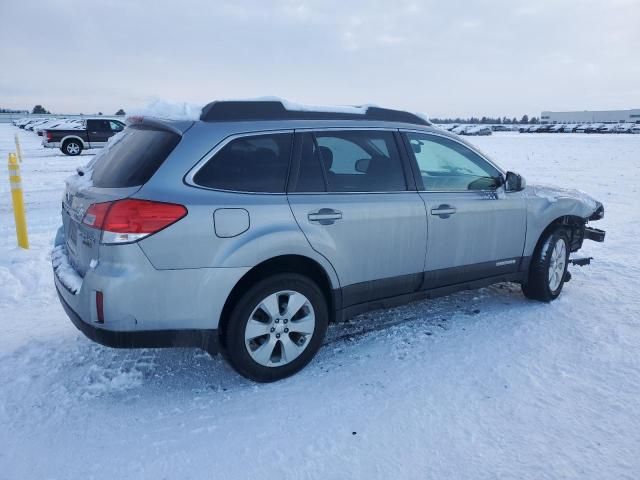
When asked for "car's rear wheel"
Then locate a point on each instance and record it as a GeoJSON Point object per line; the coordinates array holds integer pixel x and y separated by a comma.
{"type": "Point", "coordinates": [276, 327]}
{"type": "Point", "coordinates": [548, 268]}
{"type": "Point", "coordinates": [71, 147]}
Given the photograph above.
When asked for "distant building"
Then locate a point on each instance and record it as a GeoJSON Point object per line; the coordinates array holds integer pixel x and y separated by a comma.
{"type": "Point", "coordinates": [603, 116]}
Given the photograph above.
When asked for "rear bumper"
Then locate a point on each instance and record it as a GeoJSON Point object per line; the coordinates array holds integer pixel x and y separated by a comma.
{"type": "Point", "coordinates": [142, 306]}
{"type": "Point", "coordinates": [204, 339]}
{"type": "Point", "coordinates": [50, 144]}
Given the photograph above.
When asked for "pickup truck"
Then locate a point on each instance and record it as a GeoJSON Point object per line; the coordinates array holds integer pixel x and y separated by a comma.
{"type": "Point", "coordinates": [95, 133]}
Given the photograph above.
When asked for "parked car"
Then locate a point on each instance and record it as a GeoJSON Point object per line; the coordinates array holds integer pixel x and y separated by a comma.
{"type": "Point", "coordinates": [94, 133]}
{"type": "Point", "coordinates": [635, 129]}
{"type": "Point", "coordinates": [624, 127]}
{"type": "Point", "coordinates": [253, 228]}
{"type": "Point", "coordinates": [478, 130]}
{"type": "Point", "coordinates": [556, 128]}
{"type": "Point", "coordinates": [31, 122]}
{"type": "Point", "coordinates": [582, 128]}
{"type": "Point", "coordinates": [62, 125]}
{"type": "Point", "coordinates": [608, 128]}
{"type": "Point", "coordinates": [570, 128]}
{"type": "Point", "coordinates": [24, 121]}
{"type": "Point", "coordinates": [594, 127]}
{"type": "Point", "coordinates": [53, 124]}
{"type": "Point", "coordinates": [460, 129]}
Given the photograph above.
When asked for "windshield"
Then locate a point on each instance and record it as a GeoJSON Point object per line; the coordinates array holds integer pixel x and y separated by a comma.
{"type": "Point", "coordinates": [132, 157]}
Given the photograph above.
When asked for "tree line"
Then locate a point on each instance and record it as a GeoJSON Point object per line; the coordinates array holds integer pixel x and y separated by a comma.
{"type": "Point", "coordinates": [489, 120]}
{"type": "Point", "coordinates": [40, 110]}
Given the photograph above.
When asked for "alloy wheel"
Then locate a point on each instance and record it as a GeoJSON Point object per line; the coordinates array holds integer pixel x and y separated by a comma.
{"type": "Point", "coordinates": [279, 328]}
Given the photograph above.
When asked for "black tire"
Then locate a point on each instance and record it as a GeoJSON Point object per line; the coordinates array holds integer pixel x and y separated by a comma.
{"type": "Point", "coordinates": [236, 351]}
{"type": "Point", "coordinates": [71, 148]}
{"type": "Point", "coordinates": [538, 286]}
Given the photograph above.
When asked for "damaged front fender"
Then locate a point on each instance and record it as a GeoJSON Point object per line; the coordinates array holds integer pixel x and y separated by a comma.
{"type": "Point", "coordinates": [547, 205]}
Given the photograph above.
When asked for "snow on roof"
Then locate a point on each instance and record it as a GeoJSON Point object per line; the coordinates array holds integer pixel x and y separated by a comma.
{"type": "Point", "coordinates": [169, 110]}
{"type": "Point", "coordinates": [188, 111]}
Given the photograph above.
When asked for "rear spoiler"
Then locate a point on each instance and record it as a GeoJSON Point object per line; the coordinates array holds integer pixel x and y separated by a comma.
{"type": "Point", "coordinates": [179, 127]}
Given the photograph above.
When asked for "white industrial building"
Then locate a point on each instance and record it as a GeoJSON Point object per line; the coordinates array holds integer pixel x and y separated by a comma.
{"type": "Point", "coordinates": [588, 116]}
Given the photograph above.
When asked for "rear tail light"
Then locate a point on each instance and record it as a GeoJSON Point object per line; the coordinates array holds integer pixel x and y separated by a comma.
{"type": "Point", "coordinates": [48, 135]}
{"type": "Point", "coordinates": [130, 220]}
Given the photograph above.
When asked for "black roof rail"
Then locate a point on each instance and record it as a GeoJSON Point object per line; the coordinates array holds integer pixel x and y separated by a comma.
{"type": "Point", "coordinates": [238, 110]}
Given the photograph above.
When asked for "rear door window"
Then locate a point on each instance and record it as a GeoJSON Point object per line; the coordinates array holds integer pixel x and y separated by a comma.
{"type": "Point", "coordinates": [360, 161]}
{"type": "Point", "coordinates": [257, 163]}
{"type": "Point", "coordinates": [132, 157]}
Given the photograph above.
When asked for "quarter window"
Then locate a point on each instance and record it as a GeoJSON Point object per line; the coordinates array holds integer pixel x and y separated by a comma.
{"type": "Point", "coordinates": [249, 164]}
{"type": "Point", "coordinates": [446, 165]}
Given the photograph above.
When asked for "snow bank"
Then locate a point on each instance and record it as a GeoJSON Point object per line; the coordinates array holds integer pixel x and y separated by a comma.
{"type": "Point", "coordinates": [65, 272]}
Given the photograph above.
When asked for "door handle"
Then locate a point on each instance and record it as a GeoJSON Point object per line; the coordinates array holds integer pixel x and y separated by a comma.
{"type": "Point", "coordinates": [325, 216]}
{"type": "Point", "coordinates": [443, 211]}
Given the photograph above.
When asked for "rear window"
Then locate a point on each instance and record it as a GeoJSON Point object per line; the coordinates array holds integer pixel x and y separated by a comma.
{"type": "Point", "coordinates": [131, 158]}
{"type": "Point", "coordinates": [249, 164]}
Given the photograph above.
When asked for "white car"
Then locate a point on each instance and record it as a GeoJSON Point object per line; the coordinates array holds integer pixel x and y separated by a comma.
{"type": "Point", "coordinates": [48, 124]}
{"type": "Point", "coordinates": [481, 130]}
{"type": "Point", "coordinates": [608, 128]}
{"type": "Point", "coordinates": [33, 125]}
{"type": "Point", "coordinates": [63, 123]}
{"type": "Point", "coordinates": [460, 129]}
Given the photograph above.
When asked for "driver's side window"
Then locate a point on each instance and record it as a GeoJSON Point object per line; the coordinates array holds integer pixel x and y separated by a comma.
{"type": "Point", "coordinates": [446, 165]}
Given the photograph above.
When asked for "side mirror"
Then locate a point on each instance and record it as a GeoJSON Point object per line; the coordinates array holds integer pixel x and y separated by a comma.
{"type": "Point", "coordinates": [514, 182]}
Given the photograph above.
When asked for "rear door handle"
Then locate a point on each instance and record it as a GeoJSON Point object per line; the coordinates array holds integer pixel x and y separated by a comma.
{"type": "Point", "coordinates": [443, 211]}
{"type": "Point", "coordinates": [325, 216]}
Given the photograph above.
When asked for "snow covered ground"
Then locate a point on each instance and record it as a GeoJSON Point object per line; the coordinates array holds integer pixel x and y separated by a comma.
{"type": "Point", "coordinates": [481, 384]}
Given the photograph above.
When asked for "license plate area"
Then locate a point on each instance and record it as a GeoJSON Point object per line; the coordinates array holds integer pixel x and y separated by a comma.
{"type": "Point", "coordinates": [72, 237]}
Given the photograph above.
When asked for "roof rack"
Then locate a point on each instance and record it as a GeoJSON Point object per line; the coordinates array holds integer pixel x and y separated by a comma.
{"type": "Point", "coordinates": [237, 110]}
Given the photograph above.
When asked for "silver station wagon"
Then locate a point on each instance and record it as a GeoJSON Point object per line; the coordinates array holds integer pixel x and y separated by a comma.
{"type": "Point", "coordinates": [250, 230]}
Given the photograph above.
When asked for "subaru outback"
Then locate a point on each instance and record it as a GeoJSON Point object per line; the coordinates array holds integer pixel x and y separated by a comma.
{"type": "Point", "coordinates": [250, 230]}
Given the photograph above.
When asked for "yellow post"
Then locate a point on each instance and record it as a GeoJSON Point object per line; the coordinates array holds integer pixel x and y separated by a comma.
{"type": "Point", "coordinates": [18, 201]}
{"type": "Point", "coordinates": [18, 150]}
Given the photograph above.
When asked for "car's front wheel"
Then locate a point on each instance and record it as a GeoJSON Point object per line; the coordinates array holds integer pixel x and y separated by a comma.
{"type": "Point", "coordinates": [548, 268]}
{"type": "Point", "coordinates": [71, 147]}
{"type": "Point", "coordinates": [276, 327]}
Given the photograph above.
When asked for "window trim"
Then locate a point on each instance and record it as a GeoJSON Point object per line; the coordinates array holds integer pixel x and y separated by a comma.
{"type": "Point", "coordinates": [188, 178]}
{"type": "Point", "coordinates": [416, 169]}
{"type": "Point", "coordinates": [400, 147]}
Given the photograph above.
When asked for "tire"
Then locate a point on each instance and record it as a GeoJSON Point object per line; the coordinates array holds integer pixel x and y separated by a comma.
{"type": "Point", "coordinates": [551, 255]}
{"type": "Point", "coordinates": [71, 148]}
{"type": "Point", "coordinates": [259, 350]}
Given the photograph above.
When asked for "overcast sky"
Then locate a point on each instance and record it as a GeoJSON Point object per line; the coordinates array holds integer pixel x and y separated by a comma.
{"type": "Point", "coordinates": [440, 57]}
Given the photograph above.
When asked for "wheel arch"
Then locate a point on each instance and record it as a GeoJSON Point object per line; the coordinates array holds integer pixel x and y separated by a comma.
{"type": "Point", "coordinates": [299, 264]}
{"type": "Point", "coordinates": [73, 137]}
{"type": "Point", "coordinates": [574, 226]}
